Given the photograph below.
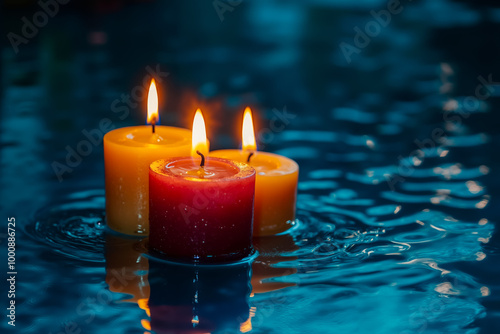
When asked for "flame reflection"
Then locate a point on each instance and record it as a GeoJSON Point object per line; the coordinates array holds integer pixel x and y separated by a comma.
{"type": "Point", "coordinates": [126, 272]}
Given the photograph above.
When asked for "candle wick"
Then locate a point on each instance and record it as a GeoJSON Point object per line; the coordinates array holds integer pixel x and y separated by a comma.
{"type": "Point", "coordinates": [153, 123]}
{"type": "Point", "coordinates": [249, 156]}
{"type": "Point", "coordinates": [202, 164]}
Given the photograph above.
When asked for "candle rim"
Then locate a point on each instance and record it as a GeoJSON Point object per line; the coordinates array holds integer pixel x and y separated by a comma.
{"type": "Point", "coordinates": [287, 165]}
{"type": "Point", "coordinates": [116, 136]}
{"type": "Point", "coordinates": [244, 170]}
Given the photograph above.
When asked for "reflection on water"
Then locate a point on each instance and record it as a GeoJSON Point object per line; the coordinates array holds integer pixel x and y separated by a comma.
{"type": "Point", "coordinates": [266, 272]}
{"type": "Point", "coordinates": [197, 299]}
{"type": "Point", "coordinates": [127, 272]}
{"type": "Point", "coordinates": [397, 152]}
{"type": "Point", "coordinates": [178, 298]}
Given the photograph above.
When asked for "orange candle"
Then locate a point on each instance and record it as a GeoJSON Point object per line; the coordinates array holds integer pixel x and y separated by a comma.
{"type": "Point", "coordinates": [128, 152]}
{"type": "Point", "coordinates": [275, 184]}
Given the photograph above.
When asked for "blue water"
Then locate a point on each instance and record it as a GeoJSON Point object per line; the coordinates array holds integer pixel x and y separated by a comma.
{"type": "Point", "coordinates": [396, 226]}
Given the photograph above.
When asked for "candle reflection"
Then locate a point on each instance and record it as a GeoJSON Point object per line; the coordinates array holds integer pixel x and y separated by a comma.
{"type": "Point", "coordinates": [127, 271]}
{"type": "Point", "coordinates": [178, 298]}
{"type": "Point", "coordinates": [272, 250]}
{"type": "Point", "coordinates": [198, 299]}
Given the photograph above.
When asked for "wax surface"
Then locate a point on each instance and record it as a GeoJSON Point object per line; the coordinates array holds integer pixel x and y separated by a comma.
{"type": "Point", "coordinates": [128, 152]}
{"type": "Point", "coordinates": [202, 215]}
{"type": "Point", "coordinates": [275, 189]}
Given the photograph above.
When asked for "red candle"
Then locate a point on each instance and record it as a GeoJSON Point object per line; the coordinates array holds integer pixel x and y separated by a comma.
{"type": "Point", "coordinates": [201, 209]}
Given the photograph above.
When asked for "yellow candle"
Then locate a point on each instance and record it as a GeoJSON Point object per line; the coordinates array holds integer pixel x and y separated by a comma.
{"type": "Point", "coordinates": [128, 152]}
{"type": "Point", "coordinates": [275, 184]}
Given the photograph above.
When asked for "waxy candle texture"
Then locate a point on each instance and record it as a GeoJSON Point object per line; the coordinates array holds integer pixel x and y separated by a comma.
{"type": "Point", "coordinates": [128, 152]}
{"type": "Point", "coordinates": [275, 185]}
{"type": "Point", "coordinates": [201, 214]}
{"type": "Point", "coordinates": [275, 189]}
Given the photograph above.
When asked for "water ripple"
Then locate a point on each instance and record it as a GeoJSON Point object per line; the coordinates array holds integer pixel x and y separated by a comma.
{"type": "Point", "coordinates": [353, 115]}
{"type": "Point", "coordinates": [467, 189]}
{"type": "Point", "coordinates": [437, 199]}
{"type": "Point", "coordinates": [420, 236]}
{"type": "Point", "coordinates": [74, 228]}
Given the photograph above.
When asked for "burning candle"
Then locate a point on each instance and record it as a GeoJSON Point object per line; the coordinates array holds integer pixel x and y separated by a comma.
{"type": "Point", "coordinates": [275, 185]}
{"type": "Point", "coordinates": [128, 152]}
{"type": "Point", "coordinates": [200, 208]}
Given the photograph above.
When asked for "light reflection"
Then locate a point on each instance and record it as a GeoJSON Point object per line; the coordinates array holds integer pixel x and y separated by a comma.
{"type": "Point", "coordinates": [480, 256]}
{"type": "Point", "coordinates": [444, 153]}
{"type": "Point", "coordinates": [484, 169]}
{"type": "Point", "coordinates": [443, 191]}
{"type": "Point", "coordinates": [272, 250]}
{"type": "Point", "coordinates": [446, 289]}
{"type": "Point", "coordinates": [483, 221]}
{"type": "Point", "coordinates": [438, 228]}
{"type": "Point", "coordinates": [484, 240]}
{"type": "Point", "coordinates": [450, 105]}
{"type": "Point", "coordinates": [430, 262]}
{"type": "Point", "coordinates": [246, 326]}
{"type": "Point", "coordinates": [446, 86]}
{"type": "Point", "coordinates": [446, 69]}
{"type": "Point", "coordinates": [143, 305]}
{"type": "Point", "coordinates": [482, 204]}
{"type": "Point", "coordinates": [473, 187]}
{"type": "Point", "coordinates": [451, 127]}
{"type": "Point", "coordinates": [146, 324]}
{"type": "Point", "coordinates": [448, 172]}
{"type": "Point", "coordinates": [126, 272]}
{"type": "Point", "coordinates": [438, 199]}
{"type": "Point", "coordinates": [370, 143]}
{"type": "Point", "coordinates": [189, 299]}
{"type": "Point", "coordinates": [434, 265]}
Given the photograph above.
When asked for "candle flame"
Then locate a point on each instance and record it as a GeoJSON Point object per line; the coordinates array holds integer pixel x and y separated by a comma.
{"type": "Point", "coordinates": [248, 134]}
{"type": "Point", "coordinates": [153, 116]}
{"type": "Point", "coordinates": [199, 135]}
